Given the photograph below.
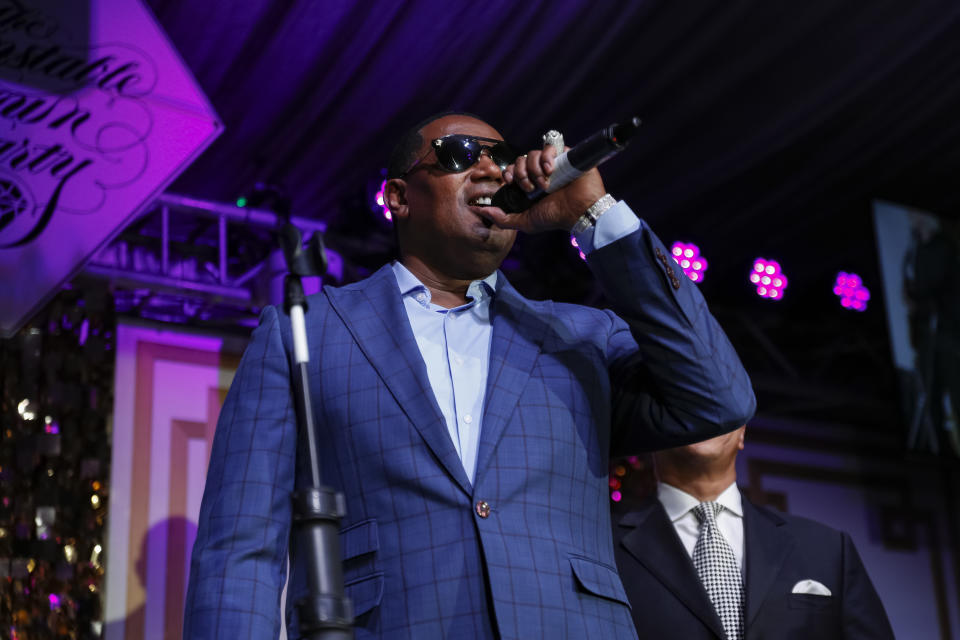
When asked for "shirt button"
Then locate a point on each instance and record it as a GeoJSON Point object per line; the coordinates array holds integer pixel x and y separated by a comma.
{"type": "Point", "coordinates": [483, 509]}
{"type": "Point", "coordinates": [458, 360]}
{"type": "Point", "coordinates": [468, 418]}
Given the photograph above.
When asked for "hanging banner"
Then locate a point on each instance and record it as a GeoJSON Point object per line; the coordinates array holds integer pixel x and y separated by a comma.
{"type": "Point", "coordinates": [98, 114]}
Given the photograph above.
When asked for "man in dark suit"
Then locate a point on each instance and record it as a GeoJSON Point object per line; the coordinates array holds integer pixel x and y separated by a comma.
{"type": "Point", "coordinates": [788, 577]}
{"type": "Point", "coordinates": [468, 427]}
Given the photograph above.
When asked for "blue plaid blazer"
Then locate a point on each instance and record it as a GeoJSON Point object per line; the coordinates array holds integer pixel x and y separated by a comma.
{"type": "Point", "coordinates": [567, 386]}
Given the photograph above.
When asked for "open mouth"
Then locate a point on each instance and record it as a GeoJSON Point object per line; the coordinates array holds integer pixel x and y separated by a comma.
{"type": "Point", "coordinates": [480, 202]}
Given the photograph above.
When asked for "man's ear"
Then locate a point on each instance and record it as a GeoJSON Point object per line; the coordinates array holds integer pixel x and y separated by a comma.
{"type": "Point", "coordinates": [395, 197]}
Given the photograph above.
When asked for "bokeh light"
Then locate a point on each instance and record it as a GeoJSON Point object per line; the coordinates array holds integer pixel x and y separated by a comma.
{"type": "Point", "coordinates": [573, 241]}
{"type": "Point", "coordinates": [687, 255]}
{"type": "Point", "coordinates": [851, 291]}
{"type": "Point", "coordinates": [381, 201]}
{"type": "Point", "coordinates": [768, 278]}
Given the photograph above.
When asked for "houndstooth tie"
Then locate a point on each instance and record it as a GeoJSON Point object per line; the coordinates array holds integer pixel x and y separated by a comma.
{"type": "Point", "coordinates": [717, 567]}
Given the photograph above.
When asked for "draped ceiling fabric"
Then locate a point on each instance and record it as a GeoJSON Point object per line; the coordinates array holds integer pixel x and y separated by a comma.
{"type": "Point", "coordinates": [768, 128]}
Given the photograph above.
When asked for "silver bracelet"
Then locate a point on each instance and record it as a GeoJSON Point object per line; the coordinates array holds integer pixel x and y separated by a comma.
{"type": "Point", "coordinates": [593, 213]}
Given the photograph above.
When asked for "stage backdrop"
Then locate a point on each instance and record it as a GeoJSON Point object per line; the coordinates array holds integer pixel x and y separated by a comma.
{"type": "Point", "coordinates": [169, 389]}
{"type": "Point", "coordinates": [98, 114]}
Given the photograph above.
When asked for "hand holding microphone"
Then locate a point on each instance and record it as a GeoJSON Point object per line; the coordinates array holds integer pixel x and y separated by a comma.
{"type": "Point", "coordinates": [554, 189]}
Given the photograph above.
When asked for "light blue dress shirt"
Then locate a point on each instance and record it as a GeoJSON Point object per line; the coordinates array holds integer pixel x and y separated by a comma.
{"type": "Point", "coordinates": [455, 343]}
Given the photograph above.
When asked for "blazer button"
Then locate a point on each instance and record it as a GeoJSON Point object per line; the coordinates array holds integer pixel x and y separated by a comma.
{"type": "Point", "coordinates": [674, 281]}
{"type": "Point", "coordinates": [483, 509]}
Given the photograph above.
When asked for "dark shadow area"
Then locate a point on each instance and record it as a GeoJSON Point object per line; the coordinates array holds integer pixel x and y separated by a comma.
{"type": "Point", "coordinates": [45, 46]}
{"type": "Point", "coordinates": [176, 535]}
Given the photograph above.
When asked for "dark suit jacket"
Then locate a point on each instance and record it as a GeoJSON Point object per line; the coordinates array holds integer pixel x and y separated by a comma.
{"type": "Point", "coordinates": [779, 551]}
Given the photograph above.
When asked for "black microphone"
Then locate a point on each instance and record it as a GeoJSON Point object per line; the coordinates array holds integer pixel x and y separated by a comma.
{"type": "Point", "coordinates": [570, 165]}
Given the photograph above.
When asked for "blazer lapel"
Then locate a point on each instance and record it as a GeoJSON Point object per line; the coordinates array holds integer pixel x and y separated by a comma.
{"type": "Point", "coordinates": [373, 313]}
{"type": "Point", "coordinates": [655, 543]}
{"type": "Point", "coordinates": [767, 543]}
{"type": "Point", "coordinates": [514, 347]}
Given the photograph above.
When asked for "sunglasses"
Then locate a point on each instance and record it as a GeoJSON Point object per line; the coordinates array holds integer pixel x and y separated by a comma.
{"type": "Point", "coordinates": [458, 152]}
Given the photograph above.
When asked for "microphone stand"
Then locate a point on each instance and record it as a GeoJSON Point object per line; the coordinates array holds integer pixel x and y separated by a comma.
{"type": "Point", "coordinates": [325, 613]}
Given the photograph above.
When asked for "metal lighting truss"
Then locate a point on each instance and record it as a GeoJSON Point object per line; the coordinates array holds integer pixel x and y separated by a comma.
{"type": "Point", "coordinates": [193, 261]}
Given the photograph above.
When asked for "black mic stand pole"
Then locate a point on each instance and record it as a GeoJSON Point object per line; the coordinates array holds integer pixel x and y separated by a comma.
{"type": "Point", "coordinates": [325, 613]}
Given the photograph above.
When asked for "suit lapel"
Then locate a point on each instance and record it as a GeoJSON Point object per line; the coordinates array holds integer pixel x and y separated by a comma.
{"type": "Point", "coordinates": [373, 313]}
{"type": "Point", "coordinates": [514, 347]}
{"type": "Point", "coordinates": [767, 544]}
{"type": "Point", "coordinates": [655, 543]}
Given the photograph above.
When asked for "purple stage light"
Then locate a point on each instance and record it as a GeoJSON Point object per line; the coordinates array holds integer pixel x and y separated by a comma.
{"type": "Point", "coordinates": [768, 278]}
{"type": "Point", "coordinates": [54, 601]}
{"type": "Point", "coordinates": [687, 255]}
{"type": "Point", "coordinates": [616, 496]}
{"type": "Point", "coordinates": [381, 201]}
{"type": "Point", "coordinates": [851, 291]}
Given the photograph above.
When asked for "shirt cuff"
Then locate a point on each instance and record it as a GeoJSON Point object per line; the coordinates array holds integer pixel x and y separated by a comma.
{"type": "Point", "coordinates": [616, 222]}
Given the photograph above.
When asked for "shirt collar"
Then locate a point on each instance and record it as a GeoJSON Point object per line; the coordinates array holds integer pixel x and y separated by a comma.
{"type": "Point", "coordinates": [731, 500]}
{"type": "Point", "coordinates": [677, 503]}
{"type": "Point", "coordinates": [409, 284]}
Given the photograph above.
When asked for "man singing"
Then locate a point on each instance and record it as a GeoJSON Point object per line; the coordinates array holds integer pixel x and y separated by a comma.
{"type": "Point", "coordinates": [468, 427]}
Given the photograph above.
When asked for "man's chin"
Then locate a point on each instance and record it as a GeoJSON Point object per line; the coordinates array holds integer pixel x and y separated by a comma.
{"type": "Point", "coordinates": [480, 262]}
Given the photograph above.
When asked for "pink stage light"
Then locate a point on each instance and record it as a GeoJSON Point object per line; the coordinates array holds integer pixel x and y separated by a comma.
{"type": "Point", "coordinates": [573, 241]}
{"type": "Point", "coordinates": [849, 288]}
{"type": "Point", "coordinates": [687, 255]}
{"type": "Point", "coordinates": [768, 278]}
{"type": "Point", "coordinates": [381, 202]}
{"type": "Point", "coordinates": [616, 496]}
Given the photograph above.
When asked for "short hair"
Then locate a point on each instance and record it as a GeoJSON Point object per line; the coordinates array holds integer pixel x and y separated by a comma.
{"type": "Point", "coordinates": [408, 146]}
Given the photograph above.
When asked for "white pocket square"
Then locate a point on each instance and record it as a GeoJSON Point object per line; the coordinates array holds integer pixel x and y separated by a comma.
{"type": "Point", "coordinates": [811, 587]}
